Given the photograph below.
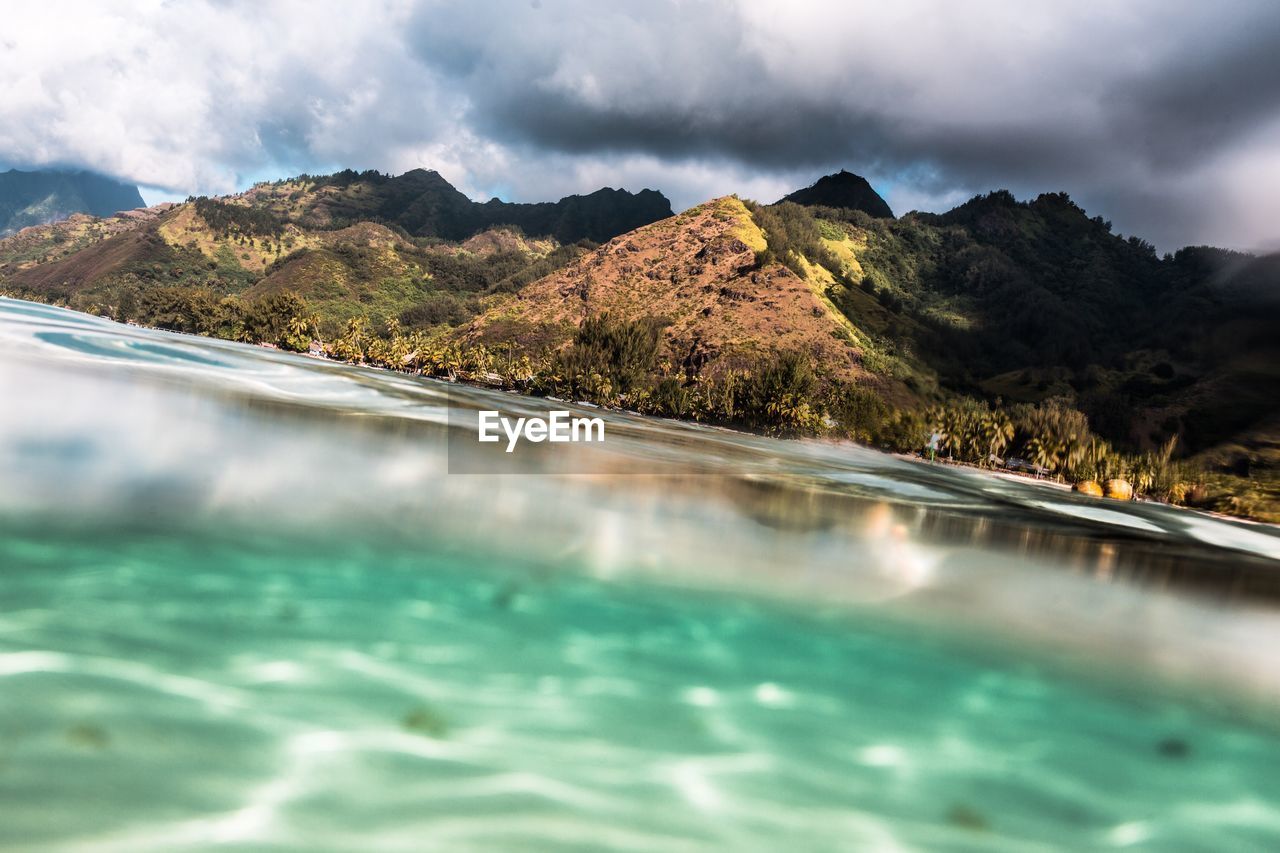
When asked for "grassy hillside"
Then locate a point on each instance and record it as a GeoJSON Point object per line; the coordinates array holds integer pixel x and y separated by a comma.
{"type": "Point", "coordinates": [290, 238]}
{"type": "Point", "coordinates": [369, 271]}
{"type": "Point", "coordinates": [38, 245]}
{"type": "Point", "coordinates": [697, 275]}
{"type": "Point", "coordinates": [695, 317]}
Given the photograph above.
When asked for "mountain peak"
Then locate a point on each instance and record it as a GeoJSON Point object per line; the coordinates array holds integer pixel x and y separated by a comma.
{"type": "Point", "coordinates": [842, 189]}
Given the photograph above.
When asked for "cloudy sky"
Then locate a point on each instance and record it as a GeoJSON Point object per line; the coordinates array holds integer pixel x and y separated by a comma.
{"type": "Point", "coordinates": [1161, 116]}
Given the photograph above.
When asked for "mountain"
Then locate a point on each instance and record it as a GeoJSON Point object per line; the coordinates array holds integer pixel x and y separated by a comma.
{"type": "Point", "coordinates": [37, 198]}
{"type": "Point", "coordinates": [1026, 301]}
{"type": "Point", "coordinates": [787, 317]}
{"type": "Point", "coordinates": [409, 248]}
{"type": "Point", "coordinates": [424, 204]}
{"type": "Point", "coordinates": [842, 190]}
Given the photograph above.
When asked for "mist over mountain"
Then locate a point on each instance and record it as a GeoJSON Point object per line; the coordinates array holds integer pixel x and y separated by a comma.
{"type": "Point", "coordinates": [41, 197]}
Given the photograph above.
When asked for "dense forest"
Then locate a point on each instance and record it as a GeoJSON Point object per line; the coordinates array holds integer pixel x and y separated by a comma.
{"type": "Point", "coordinates": [1008, 304]}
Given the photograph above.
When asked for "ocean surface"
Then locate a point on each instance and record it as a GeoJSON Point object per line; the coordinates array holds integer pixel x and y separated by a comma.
{"type": "Point", "coordinates": [269, 602]}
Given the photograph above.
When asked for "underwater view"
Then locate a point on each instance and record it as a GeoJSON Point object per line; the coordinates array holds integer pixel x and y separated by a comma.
{"type": "Point", "coordinates": [267, 601]}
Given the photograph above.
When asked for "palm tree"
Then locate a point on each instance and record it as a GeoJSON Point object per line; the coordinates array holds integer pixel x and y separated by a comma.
{"type": "Point", "coordinates": [997, 432]}
{"type": "Point", "coordinates": [300, 327]}
{"type": "Point", "coordinates": [350, 346]}
{"type": "Point", "coordinates": [1043, 452]}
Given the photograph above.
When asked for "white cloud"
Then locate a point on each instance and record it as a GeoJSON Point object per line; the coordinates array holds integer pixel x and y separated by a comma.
{"type": "Point", "coordinates": [194, 96]}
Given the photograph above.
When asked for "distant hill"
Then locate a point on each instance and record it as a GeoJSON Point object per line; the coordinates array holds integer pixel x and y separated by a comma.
{"type": "Point", "coordinates": [842, 190]}
{"type": "Point", "coordinates": [38, 198]}
{"type": "Point", "coordinates": [424, 204]}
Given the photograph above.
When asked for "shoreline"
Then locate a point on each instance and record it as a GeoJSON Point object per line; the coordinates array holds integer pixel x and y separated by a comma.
{"type": "Point", "coordinates": [1011, 476]}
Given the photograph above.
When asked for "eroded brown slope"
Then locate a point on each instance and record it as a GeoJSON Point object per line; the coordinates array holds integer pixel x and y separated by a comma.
{"type": "Point", "coordinates": [697, 271]}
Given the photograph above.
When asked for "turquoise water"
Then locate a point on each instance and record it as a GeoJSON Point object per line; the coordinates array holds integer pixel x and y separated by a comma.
{"type": "Point", "coordinates": [243, 601]}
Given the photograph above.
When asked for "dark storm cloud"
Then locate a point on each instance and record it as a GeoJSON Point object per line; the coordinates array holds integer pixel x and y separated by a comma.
{"type": "Point", "coordinates": [1108, 105]}
{"type": "Point", "coordinates": [674, 80]}
{"type": "Point", "coordinates": [1217, 87]}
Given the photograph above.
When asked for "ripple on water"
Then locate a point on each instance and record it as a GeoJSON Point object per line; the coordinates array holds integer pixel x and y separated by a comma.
{"type": "Point", "coordinates": [130, 350]}
{"type": "Point", "coordinates": [585, 716]}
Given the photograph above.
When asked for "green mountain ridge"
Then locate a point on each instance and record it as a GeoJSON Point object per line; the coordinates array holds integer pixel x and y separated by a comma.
{"type": "Point", "coordinates": [424, 204]}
